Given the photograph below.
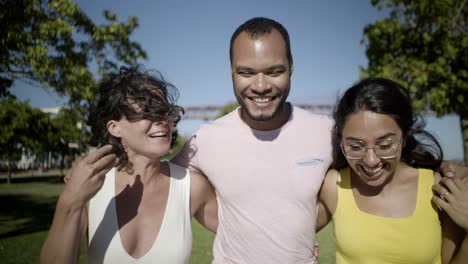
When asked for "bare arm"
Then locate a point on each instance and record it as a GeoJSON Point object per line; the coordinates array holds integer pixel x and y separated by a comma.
{"type": "Point", "coordinates": [70, 219]}
{"type": "Point", "coordinates": [451, 195]}
{"type": "Point", "coordinates": [323, 217]}
{"type": "Point", "coordinates": [64, 238]}
{"type": "Point", "coordinates": [328, 199]}
{"type": "Point", "coordinates": [203, 203]}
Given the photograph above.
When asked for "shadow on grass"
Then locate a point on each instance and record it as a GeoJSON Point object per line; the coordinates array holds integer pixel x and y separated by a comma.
{"type": "Point", "coordinates": [34, 179]}
{"type": "Point", "coordinates": [23, 214]}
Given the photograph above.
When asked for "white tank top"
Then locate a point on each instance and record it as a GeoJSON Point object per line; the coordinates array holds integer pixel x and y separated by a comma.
{"type": "Point", "coordinates": [174, 241]}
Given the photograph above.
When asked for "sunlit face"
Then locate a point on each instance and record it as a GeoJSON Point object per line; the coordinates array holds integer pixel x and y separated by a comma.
{"type": "Point", "coordinates": [261, 77]}
{"type": "Point", "coordinates": [143, 137]}
{"type": "Point", "coordinates": [372, 130]}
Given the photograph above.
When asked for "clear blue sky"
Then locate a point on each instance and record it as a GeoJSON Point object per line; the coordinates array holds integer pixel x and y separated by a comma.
{"type": "Point", "coordinates": [188, 41]}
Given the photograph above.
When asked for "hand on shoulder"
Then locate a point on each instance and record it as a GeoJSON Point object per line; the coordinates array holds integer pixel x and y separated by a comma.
{"type": "Point", "coordinates": [451, 196]}
{"type": "Point", "coordinates": [450, 168]}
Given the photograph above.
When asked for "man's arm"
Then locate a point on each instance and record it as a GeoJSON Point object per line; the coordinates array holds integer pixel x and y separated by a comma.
{"type": "Point", "coordinates": [328, 200]}
{"type": "Point", "coordinates": [203, 204]}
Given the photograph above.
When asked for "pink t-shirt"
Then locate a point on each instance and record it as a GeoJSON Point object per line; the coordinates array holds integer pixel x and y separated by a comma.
{"type": "Point", "coordinates": [267, 184]}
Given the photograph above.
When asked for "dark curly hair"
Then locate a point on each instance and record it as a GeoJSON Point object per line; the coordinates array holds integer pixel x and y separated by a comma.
{"type": "Point", "coordinates": [383, 96]}
{"type": "Point", "coordinates": [118, 95]}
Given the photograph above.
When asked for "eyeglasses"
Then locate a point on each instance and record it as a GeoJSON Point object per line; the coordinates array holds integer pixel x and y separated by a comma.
{"type": "Point", "coordinates": [384, 149]}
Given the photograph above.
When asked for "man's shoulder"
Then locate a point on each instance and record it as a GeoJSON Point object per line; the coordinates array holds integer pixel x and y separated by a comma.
{"type": "Point", "coordinates": [308, 118]}
{"type": "Point", "coordinates": [229, 120]}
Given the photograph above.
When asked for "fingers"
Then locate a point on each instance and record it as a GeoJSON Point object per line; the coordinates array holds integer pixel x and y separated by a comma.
{"type": "Point", "coordinates": [442, 192]}
{"type": "Point", "coordinates": [96, 163]}
{"type": "Point", "coordinates": [464, 180]}
{"type": "Point", "coordinates": [98, 169]}
{"type": "Point", "coordinates": [105, 163]}
{"type": "Point", "coordinates": [451, 196]}
{"type": "Point", "coordinates": [441, 203]}
{"type": "Point", "coordinates": [95, 155]}
{"type": "Point", "coordinates": [447, 168]}
{"type": "Point", "coordinates": [100, 176]}
{"type": "Point", "coordinates": [450, 185]}
{"type": "Point", "coordinates": [452, 169]}
{"type": "Point", "coordinates": [459, 182]}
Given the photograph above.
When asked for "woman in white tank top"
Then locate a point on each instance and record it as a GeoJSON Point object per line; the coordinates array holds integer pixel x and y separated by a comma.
{"type": "Point", "coordinates": [134, 207]}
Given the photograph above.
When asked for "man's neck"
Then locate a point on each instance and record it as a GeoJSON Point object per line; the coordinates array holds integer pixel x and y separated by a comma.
{"type": "Point", "coordinates": [277, 121]}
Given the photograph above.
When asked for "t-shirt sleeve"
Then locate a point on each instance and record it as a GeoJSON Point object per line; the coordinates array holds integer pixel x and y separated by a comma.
{"type": "Point", "coordinates": [188, 155]}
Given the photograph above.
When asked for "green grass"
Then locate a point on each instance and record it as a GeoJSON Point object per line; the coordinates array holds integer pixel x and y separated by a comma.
{"type": "Point", "coordinates": [27, 210]}
{"type": "Point", "coordinates": [25, 218]}
{"type": "Point", "coordinates": [326, 245]}
{"type": "Point", "coordinates": [202, 247]}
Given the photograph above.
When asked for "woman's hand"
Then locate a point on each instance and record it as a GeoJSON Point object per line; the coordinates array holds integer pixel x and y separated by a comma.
{"type": "Point", "coordinates": [451, 195]}
{"type": "Point", "coordinates": [87, 175]}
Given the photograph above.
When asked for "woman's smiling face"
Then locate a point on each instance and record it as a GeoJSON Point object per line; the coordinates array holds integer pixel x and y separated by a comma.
{"type": "Point", "coordinates": [374, 134]}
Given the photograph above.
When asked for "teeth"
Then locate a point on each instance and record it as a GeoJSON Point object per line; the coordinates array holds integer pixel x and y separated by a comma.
{"type": "Point", "coordinates": [159, 134]}
{"type": "Point", "coordinates": [261, 99]}
{"type": "Point", "coordinates": [372, 171]}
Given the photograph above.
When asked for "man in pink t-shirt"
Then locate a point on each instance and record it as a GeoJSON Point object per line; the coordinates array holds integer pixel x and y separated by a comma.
{"type": "Point", "coordinates": [266, 159]}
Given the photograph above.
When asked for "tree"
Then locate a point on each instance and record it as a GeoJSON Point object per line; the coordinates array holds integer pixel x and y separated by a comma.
{"type": "Point", "coordinates": [53, 44]}
{"type": "Point", "coordinates": [65, 134]}
{"type": "Point", "coordinates": [227, 109]}
{"type": "Point", "coordinates": [180, 141]}
{"type": "Point", "coordinates": [22, 130]}
{"type": "Point", "coordinates": [423, 45]}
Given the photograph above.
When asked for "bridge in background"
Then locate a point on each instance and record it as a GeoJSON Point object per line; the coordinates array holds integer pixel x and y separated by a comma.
{"type": "Point", "coordinates": [210, 112]}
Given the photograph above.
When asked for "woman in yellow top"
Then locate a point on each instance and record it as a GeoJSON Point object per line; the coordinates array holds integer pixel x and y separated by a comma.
{"type": "Point", "coordinates": [380, 196]}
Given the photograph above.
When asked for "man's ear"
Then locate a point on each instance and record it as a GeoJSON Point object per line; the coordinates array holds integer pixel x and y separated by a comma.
{"type": "Point", "coordinates": [232, 71]}
{"type": "Point", "coordinates": [291, 69]}
{"type": "Point", "coordinates": [114, 128]}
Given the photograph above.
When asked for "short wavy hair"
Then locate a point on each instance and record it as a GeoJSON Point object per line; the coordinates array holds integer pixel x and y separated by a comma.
{"type": "Point", "coordinates": [119, 93]}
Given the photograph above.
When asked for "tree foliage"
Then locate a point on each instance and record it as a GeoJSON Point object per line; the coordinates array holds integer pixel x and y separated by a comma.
{"type": "Point", "coordinates": [22, 126]}
{"type": "Point", "coordinates": [424, 46]}
{"type": "Point", "coordinates": [22, 129]}
{"type": "Point", "coordinates": [227, 109]}
{"type": "Point", "coordinates": [65, 131]}
{"type": "Point", "coordinates": [54, 44]}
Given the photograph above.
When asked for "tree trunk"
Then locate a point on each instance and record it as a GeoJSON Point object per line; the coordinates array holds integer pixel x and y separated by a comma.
{"type": "Point", "coordinates": [464, 128]}
{"type": "Point", "coordinates": [62, 163]}
{"type": "Point", "coordinates": [9, 172]}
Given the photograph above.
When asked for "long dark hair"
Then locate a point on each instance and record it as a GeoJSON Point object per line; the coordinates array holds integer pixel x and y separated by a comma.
{"type": "Point", "coordinates": [383, 96]}
{"type": "Point", "coordinates": [117, 98]}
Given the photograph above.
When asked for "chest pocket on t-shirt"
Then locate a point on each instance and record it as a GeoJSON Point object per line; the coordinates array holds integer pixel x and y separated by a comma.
{"type": "Point", "coordinates": [306, 176]}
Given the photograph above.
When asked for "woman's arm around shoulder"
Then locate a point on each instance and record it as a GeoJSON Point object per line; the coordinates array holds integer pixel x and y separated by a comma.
{"type": "Point", "coordinates": [451, 197]}
{"type": "Point", "coordinates": [328, 199]}
{"type": "Point", "coordinates": [203, 204]}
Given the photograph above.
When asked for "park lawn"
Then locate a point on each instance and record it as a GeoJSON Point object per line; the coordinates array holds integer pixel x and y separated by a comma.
{"type": "Point", "coordinates": [326, 245]}
{"type": "Point", "coordinates": [27, 210]}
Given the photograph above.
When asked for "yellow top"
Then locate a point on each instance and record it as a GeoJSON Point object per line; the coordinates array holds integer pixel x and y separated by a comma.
{"type": "Point", "coordinates": [369, 239]}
